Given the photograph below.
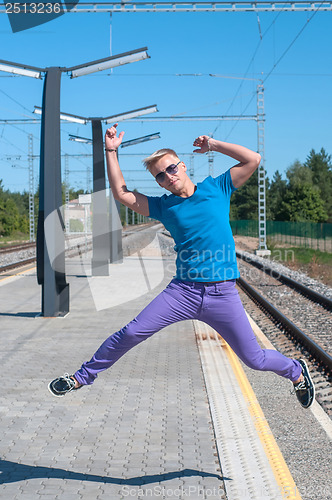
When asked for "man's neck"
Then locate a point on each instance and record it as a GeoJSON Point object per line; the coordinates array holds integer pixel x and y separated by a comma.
{"type": "Point", "coordinates": [188, 190]}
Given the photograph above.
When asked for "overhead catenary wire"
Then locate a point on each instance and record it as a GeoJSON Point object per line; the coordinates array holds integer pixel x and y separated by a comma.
{"type": "Point", "coordinates": [277, 62]}
{"type": "Point", "coordinates": [292, 42]}
{"type": "Point", "coordinates": [184, 75]}
{"type": "Point", "coordinates": [14, 100]}
{"type": "Point", "coordinates": [246, 72]}
{"type": "Point", "coordinates": [4, 139]}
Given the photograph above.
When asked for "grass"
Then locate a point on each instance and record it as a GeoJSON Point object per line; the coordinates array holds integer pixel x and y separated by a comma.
{"type": "Point", "coordinates": [17, 237]}
{"type": "Point", "coordinates": [303, 255]}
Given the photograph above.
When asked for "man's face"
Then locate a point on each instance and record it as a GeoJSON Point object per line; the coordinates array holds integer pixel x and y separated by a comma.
{"type": "Point", "coordinates": [173, 182]}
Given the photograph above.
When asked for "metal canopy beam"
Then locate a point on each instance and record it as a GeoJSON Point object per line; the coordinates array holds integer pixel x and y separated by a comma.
{"type": "Point", "coordinates": [100, 234]}
{"type": "Point", "coordinates": [120, 7]}
{"type": "Point", "coordinates": [147, 119]}
{"type": "Point", "coordinates": [50, 234]}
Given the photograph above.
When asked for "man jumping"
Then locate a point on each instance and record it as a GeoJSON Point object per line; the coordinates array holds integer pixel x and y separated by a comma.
{"type": "Point", "coordinates": [197, 216]}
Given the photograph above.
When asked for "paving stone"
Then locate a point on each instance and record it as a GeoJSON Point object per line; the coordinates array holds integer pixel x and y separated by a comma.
{"type": "Point", "coordinates": [142, 423]}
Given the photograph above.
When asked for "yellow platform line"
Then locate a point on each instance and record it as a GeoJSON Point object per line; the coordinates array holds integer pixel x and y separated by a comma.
{"type": "Point", "coordinates": [279, 467]}
{"type": "Point", "coordinates": [17, 274]}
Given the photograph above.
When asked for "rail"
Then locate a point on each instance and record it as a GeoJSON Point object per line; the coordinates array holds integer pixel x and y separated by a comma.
{"type": "Point", "coordinates": [313, 348]}
{"type": "Point", "coordinates": [308, 292]}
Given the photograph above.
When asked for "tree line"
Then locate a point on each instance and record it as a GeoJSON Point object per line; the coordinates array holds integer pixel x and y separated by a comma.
{"type": "Point", "coordinates": [14, 209]}
{"type": "Point", "coordinates": [305, 195]}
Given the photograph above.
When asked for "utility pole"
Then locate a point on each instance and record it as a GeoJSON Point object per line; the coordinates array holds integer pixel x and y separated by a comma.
{"type": "Point", "coordinates": [210, 160]}
{"type": "Point", "coordinates": [67, 194]}
{"type": "Point", "coordinates": [31, 189]}
{"type": "Point", "coordinates": [262, 248]}
{"type": "Point", "coordinates": [192, 168]}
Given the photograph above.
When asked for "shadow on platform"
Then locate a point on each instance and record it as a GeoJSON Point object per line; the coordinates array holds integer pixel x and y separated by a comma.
{"type": "Point", "coordinates": [22, 314]}
{"type": "Point", "coordinates": [11, 472]}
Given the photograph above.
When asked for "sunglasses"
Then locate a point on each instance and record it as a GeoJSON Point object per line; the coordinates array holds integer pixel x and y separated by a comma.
{"type": "Point", "coordinates": [171, 170]}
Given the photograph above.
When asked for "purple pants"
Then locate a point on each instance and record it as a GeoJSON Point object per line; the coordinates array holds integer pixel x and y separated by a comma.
{"type": "Point", "coordinates": [218, 305]}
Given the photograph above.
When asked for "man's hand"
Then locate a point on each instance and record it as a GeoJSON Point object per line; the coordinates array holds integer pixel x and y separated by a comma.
{"type": "Point", "coordinates": [248, 160]}
{"type": "Point", "coordinates": [111, 140]}
{"type": "Point", "coordinates": [202, 142]}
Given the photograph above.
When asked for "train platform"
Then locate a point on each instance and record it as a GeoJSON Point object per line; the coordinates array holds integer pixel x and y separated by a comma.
{"type": "Point", "coordinates": [177, 417]}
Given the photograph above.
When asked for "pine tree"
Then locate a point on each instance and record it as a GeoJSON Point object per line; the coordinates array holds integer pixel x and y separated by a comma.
{"type": "Point", "coordinates": [244, 202]}
{"type": "Point", "coordinates": [320, 166]}
{"type": "Point", "coordinates": [276, 193]}
{"type": "Point", "coordinates": [301, 203]}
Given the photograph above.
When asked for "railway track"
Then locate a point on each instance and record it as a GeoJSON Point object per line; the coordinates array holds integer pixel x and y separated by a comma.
{"type": "Point", "coordinates": [293, 343]}
{"type": "Point", "coordinates": [296, 319]}
{"type": "Point", "coordinates": [308, 311]}
{"type": "Point", "coordinates": [16, 265]}
{"type": "Point", "coordinates": [77, 249]}
{"type": "Point", "coordinates": [299, 287]}
{"type": "Point", "coordinates": [17, 248]}
{"type": "Point", "coordinates": [24, 246]}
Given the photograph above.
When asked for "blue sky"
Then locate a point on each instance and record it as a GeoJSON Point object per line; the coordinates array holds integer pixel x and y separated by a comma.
{"type": "Point", "coordinates": [298, 93]}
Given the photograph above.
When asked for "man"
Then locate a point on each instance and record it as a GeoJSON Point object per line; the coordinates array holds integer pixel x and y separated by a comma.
{"type": "Point", "coordinates": [197, 216]}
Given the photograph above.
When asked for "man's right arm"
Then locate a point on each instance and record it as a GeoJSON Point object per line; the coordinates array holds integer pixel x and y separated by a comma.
{"type": "Point", "coordinates": [132, 199]}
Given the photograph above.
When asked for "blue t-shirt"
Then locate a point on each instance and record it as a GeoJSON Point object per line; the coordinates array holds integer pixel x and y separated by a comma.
{"type": "Point", "coordinates": [201, 230]}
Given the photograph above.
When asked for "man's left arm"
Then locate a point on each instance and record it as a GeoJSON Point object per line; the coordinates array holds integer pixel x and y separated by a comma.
{"type": "Point", "coordinates": [248, 160]}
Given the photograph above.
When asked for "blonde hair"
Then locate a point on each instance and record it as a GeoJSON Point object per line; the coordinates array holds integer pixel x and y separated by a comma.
{"type": "Point", "coordinates": [156, 156]}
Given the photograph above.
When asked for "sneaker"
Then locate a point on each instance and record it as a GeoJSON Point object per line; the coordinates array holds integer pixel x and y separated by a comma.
{"type": "Point", "coordinates": [305, 390]}
{"type": "Point", "coordinates": [61, 385]}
